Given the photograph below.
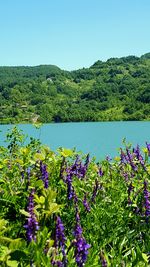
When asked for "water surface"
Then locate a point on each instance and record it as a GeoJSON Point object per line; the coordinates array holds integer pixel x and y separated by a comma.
{"type": "Point", "coordinates": [97, 138]}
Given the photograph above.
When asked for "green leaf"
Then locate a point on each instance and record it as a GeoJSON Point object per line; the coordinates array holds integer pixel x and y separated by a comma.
{"type": "Point", "coordinates": [4, 252]}
{"type": "Point", "coordinates": [145, 257]}
{"type": "Point", "coordinates": [39, 156]}
{"type": "Point", "coordinates": [39, 184]}
{"type": "Point", "coordinates": [127, 253]}
{"type": "Point", "coordinates": [41, 199]}
{"type": "Point", "coordinates": [4, 239]}
{"type": "Point", "coordinates": [12, 263]}
{"type": "Point", "coordinates": [66, 152]}
{"type": "Point", "coordinates": [3, 225]}
{"type": "Point", "coordinates": [52, 209]}
{"type": "Point", "coordinates": [27, 214]}
{"type": "Point", "coordinates": [122, 243]}
{"type": "Point", "coordinates": [16, 243]}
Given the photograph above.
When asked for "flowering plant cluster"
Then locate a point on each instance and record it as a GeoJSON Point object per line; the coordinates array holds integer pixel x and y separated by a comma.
{"type": "Point", "coordinates": [65, 209]}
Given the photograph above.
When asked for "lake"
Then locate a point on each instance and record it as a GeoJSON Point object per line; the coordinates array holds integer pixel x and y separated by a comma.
{"type": "Point", "coordinates": [97, 138]}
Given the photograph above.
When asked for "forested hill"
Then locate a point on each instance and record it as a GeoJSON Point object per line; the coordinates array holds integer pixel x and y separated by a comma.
{"type": "Point", "coordinates": [118, 89]}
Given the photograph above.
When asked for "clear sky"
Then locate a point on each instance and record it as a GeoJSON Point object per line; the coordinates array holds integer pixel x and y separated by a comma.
{"type": "Point", "coordinates": [72, 33]}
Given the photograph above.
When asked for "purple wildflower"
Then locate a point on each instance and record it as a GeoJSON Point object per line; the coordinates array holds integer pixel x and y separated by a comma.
{"type": "Point", "coordinates": [81, 251]}
{"type": "Point", "coordinates": [74, 169]}
{"type": "Point", "coordinates": [108, 158]}
{"type": "Point", "coordinates": [126, 176]}
{"type": "Point", "coordinates": [78, 230]}
{"type": "Point", "coordinates": [129, 155]}
{"type": "Point", "coordinates": [85, 203]}
{"type": "Point", "coordinates": [95, 191]}
{"type": "Point", "coordinates": [103, 260]}
{"type": "Point", "coordinates": [147, 199]}
{"type": "Point", "coordinates": [87, 161]}
{"type": "Point", "coordinates": [60, 236]}
{"type": "Point", "coordinates": [81, 247]}
{"type": "Point", "coordinates": [100, 172]}
{"type": "Point", "coordinates": [81, 171]}
{"type": "Point", "coordinates": [123, 156]}
{"type": "Point", "coordinates": [32, 224]}
{"type": "Point", "coordinates": [134, 167]}
{"type": "Point", "coordinates": [60, 240]}
{"type": "Point", "coordinates": [78, 168]}
{"type": "Point", "coordinates": [130, 160]}
{"type": "Point", "coordinates": [139, 156]}
{"type": "Point", "coordinates": [70, 191]}
{"type": "Point", "coordinates": [130, 189]}
{"type": "Point", "coordinates": [137, 153]}
{"type": "Point", "coordinates": [44, 173]}
{"type": "Point", "coordinates": [148, 148]}
{"type": "Point", "coordinates": [57, 263]}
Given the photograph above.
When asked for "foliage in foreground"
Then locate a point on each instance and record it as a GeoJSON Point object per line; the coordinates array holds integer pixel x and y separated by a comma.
{"type": "Point", "coordinates": [65, 209]}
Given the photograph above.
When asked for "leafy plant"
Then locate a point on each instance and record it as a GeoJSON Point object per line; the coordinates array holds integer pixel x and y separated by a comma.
{"type": "Point", "coordinates": [65, 209]}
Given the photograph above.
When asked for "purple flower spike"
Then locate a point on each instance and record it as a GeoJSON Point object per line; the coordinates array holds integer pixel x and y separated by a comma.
{"type": "Point", "coordinates": [81, 251]}
{"type": "Point", "coordinates": [122, 156]}
{"type": "Point", "coordinates": [147, 200]}
{"type": "Point", "coordinates": [104, 263]}
{"type": "Point", "coordinates": [78, 168]}
{"type": "Point", "coordinates": [60, 236]}
{"type": "Point", "coordinates": [129, 155]}
{"type": "Point", "coordinates": [100, 172]}
{"type": "Point", "coordinates": [130, 160]}
{"type": "Point", "coordinates": [130, 189]}
{"type": "Point", "coordinates": [86, 204]}
{"type": "Point", "coordinates": [81, 247]}
{"type": "Point", "coordinates": [57, 263]}
{"type": "Point", "coordinates": [32, 224]}
{"type": "Point", "coordinates": [137, 153]}
{"type": "Point", "coordinates": [60, 240]}
{"type": "Point", "coordinates": [44, 173]}
{"type": "Point", "coordinates": [70, 191]}
{"type": "Point", "coordinates": [126, 176]}
{"type": "Point", "coordinates": [148, 148]}
{"type": "Point", "coordinates": [78, 230]}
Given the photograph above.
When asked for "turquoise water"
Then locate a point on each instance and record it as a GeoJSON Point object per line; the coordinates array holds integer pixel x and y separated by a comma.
{"type": "Point", "coordinates": [97, 138]}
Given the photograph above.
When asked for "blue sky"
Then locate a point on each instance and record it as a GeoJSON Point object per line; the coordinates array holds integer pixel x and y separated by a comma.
{"type": "Point", "coordinates": [72, 33]}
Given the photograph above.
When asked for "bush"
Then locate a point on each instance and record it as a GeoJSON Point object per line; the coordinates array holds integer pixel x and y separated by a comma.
{"type": "Point", "coordinates": [65, 209]}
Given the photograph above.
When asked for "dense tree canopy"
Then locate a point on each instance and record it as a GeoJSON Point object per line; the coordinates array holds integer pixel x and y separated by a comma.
{"type": "Point", "coordinates": [118, 89]}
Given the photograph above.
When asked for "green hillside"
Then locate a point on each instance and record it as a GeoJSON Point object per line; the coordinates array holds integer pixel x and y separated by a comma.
{"type": "Point", "coordinates": [118, 89]}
